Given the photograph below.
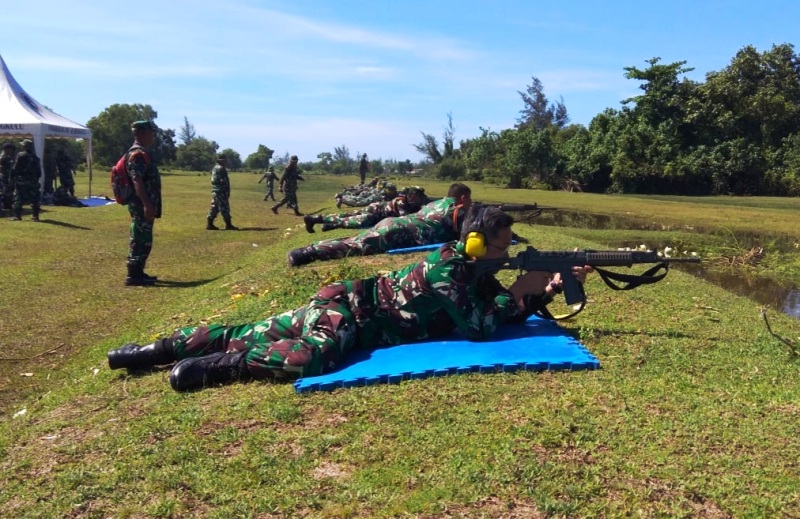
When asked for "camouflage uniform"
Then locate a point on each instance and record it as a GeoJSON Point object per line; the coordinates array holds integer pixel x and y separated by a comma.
{"type": "Point", "coordinates": [220, 194]}
{"type": "Point", "coordinates": [271, 177]}
{"type": "Point", "coordinates": [65, 173]}
{"type": "Point", "coordinates": [383, 191]}
{"type": "Point", "coordinates": [422, 301]}
{"type": "Point", "coordinates": [363, 167]}
{"type": "Point", "coordinates": [370, 215]}
{"type": "Point", "coordinates": [140, 165]}
{"type": "Point", "coordinates": [6, 186]}
{"type": "Point", "coordinates": [25, 176]}
{"type": "Point", "coordinates": [435, 222]}
{"type": "Point", "coordinates": [288, 184]}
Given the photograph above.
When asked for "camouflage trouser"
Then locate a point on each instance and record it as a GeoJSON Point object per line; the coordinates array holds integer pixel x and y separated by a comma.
{"type": "Point", "coordinates": [362, 200]}
{"type": "Point", "coordinates": [26, 194]}
{"type": "Point", "coordinates": [6, 193]}
{"type": "Point", "coordinates": [270, 193]}
{"type": "Point", "coordinates": [305, 342]}
{"type": "Point", "coordinates": [356, 220]}
{"type": "Point", "coordinates": [141, 241]}
{"type": "Point", "coordinates": [289, 199]}
{"type": "Point", "coordinates": [220, 204]}
{"type": "Point", "coordinates": [391, 233]}
{"type": "Point", "coordinates": [68, 182]}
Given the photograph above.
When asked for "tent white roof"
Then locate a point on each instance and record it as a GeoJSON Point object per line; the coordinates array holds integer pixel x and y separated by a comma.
{"type": "Point", "coordinates": [22, 116]}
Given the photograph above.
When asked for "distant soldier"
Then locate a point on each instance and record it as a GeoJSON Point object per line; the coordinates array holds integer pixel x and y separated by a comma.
{"type": "Point", "coordinates": [270, 177]}
{"type": "Point", "coordinates": [288, 186]}
{"type": "Point", "coordinates": [25, 177]}
{"type": "Point", "coordinates": [6, 186]}
{"type": "Point", "coordinates": [408, 202]}
{"type": "Point", "coordinates": [220, 195]}
{"type": "Point", "coordinates": [145, 206]}
{"type": "Point", "coordinates": [65, 172]}
{"type": "Point", "coordinates": [363, 167]}
{"type": "Point", "coordinates": [437, 222]}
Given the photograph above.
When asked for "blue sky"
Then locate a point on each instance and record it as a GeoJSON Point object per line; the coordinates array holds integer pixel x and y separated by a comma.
{"type": "Point", "coordinates": [305, 76]}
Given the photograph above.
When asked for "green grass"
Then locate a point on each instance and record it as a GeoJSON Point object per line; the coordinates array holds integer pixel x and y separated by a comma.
{"type": "Point", "coordinates": [693, 414]}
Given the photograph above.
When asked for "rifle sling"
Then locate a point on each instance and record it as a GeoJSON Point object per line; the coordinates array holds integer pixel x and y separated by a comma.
{"type": "Point", "coordinates": [632, 280]}
{"type": "Point", "coordinates": [544, 313]}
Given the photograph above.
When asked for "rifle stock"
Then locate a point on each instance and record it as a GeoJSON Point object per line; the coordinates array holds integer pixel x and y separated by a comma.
{"type": "Point", "coordinates": [562, 261]}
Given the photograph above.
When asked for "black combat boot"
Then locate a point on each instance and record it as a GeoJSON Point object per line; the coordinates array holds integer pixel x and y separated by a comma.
{"type": "Point", "coordinates": [310, 220]}
{"type": "Point", "coordinates": [301, 256]}
{"type": "Point", "coordinates": [275, 209]}
{"type": "Point", "coordinates": [210, 225]}
{"type": "Point", "coordinates": [133, 356]}
{"type": "Point", "coordinates": [137, 278]}
{"type": "Point", "coordinates": [297, 212]}
{"type": "Point", "coordinates": [229, 226]}
{"type": "Point", "coordinates": [209, 370]}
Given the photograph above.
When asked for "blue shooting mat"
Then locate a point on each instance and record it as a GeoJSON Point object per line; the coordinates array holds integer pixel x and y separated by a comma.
{"type": "Point", "coordinates": [96, 201]}
{"type": "Point", "coordinates": [536, 345]}
{"type": "Point", "coordinates": [418, 248]}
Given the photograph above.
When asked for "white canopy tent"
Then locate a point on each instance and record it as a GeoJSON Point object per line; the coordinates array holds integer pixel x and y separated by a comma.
{"type": "Point", "coordinates": [22, 116]}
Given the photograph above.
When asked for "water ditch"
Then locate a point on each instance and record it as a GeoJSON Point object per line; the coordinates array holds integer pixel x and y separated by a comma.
{"type": "Point", "coordinates": [782, 296]}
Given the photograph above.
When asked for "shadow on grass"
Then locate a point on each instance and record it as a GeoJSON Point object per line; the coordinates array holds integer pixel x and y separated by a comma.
{"type": "Point", "coordinates": [575, 333]}
{"type": "Point", "coordinates": [184, 284]}
{"type": "Point", "coordinates": [255, 229]}
{"type": "Point", "coordinates": [65, 224]}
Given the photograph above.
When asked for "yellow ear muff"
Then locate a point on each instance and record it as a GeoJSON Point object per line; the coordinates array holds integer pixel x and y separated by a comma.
{"type": "Point", "coordinates": [475, 245]}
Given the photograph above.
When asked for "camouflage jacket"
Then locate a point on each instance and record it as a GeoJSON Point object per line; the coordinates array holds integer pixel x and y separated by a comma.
{"type": "Point", "coordinates": [220, 183]}
{"type": "Point", "coordinates": [429, 299]}
{"type": "Point", "coordinates": [27, 169]}
{"type": "Point", "coordinates": [289, 178]}
{"type": "Point", "coordinates": [6, 165]}
{"type": "Point", "coordinates": [140, 165]}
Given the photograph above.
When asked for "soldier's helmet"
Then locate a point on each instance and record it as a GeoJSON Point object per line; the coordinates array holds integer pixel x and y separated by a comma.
{"type": "Point", "coordinates": [271, 168]}
{"type": "Point", "coordinates": [293, 158]}
{"type": "Point", "coordinates": [415, 190]}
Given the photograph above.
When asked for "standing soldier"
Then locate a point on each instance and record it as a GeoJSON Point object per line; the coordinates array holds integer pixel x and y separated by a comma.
{"type": "Point", "coordinates": [6, 187]}
{"type": "Point", "coordinates": [271, 178]}
{"type": "Point", "coordinates": [65, 172]}
{"type": "Point", "coordinates": [288, 186]}
{"type": "Point", "coordinates": [363, 167]}
{"type": "Point", "coordinates": [220, 195]}
{"type": "Point", "coordinates": [25, 177]}
{"type": "Point", "coordinates": [145, 205]}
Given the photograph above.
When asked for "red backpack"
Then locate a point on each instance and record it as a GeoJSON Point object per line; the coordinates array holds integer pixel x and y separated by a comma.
{"type": "Point", "coordinates": [121, 183]}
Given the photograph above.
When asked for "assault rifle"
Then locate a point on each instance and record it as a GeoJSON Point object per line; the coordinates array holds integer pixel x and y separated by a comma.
{"type": "Point", "coordinates": [563, 261]}
{"type": "Point", "coordinates": [534, 209]}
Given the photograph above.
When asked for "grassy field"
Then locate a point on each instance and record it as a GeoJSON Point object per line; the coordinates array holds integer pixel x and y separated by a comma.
{"type": "Point", "coordinates": [694, 412]}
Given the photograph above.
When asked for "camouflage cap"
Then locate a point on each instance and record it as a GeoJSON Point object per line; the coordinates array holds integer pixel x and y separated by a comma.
{"type": "Point", "coordinates": [415, 190]}
{"type": "Point", "coordinates": [26, 143]}
{"type": "Point", "coordinates": [138, 126]}
{"type": "Point", "coordinates": [271, 168]}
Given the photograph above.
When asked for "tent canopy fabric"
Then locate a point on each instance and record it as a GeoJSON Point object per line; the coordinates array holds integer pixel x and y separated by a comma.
{"type": "Point", "coordinates": [22, 116]}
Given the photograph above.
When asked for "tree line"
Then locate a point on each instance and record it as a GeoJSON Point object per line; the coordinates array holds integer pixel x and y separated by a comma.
{"type": "Point", "coordinates": [187, 150]}
{"type": "Point", "coordinates": [737, 132]}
